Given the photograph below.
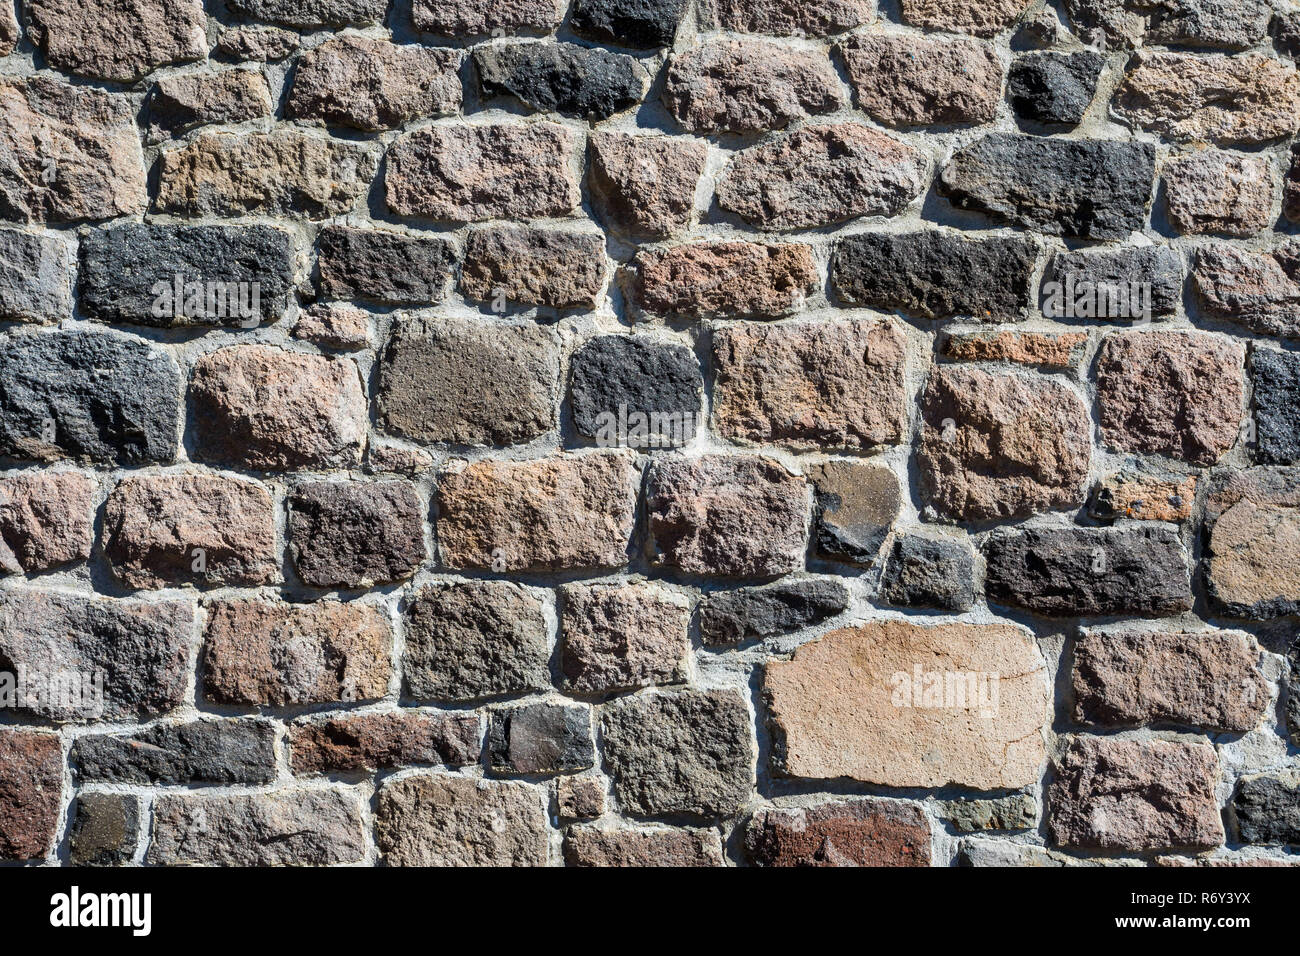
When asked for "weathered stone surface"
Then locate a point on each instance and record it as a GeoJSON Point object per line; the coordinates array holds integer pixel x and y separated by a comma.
{"type": "Point", "coordinates": [8, 32]}
{"type": "Point", "coordinates": [621, 637]}
{"type": "Point", "coordinates": [821, 175]}
{"type": "Point", "coordinates": [473, 639]}
{"type": "Point", "coordinates": [897, 704]}
{"type": "Point", "coordinates": [687, 752]}
{"type": "Point", "coordinates": [730, 617]}
{"type": "Point", "coordinates": [936, 274]}
{"type": "Point", "coordinates": [1242, 100]}
{"type": "Point", "coordinates": [283, 172]}
{"type": "Point", "coordinates": [201, 751]}
{"type": "Point", "coordinates": [725, 279]}
{"type": "Point", "coordinates": [34, 277]}
{"type": "Point", "coordinates": [1115, 794]}
{"type": "Point", "coordinates": [67, 153]}
{"type": "Point", "coordinates": [930, 572]}
{"type": "Point", "coordinates": [563, 270]}
{"type": "Point", "coordinates": [355, 534]}
{"type": "Point", "coordinates": [580, 798]}
{"type": "Point", "coordinates": [1001, 445]}
{"type": "Point", "coordinates": [228, 275]}
{"type": "Point", "coordinates": [1071, 572]}
{"type": "Point", "coordinates": [1277, 405]}
{"type": "Point", "coordinates": [373, 85]}
{"type": "Point", "coordinates": [1054, 88]}
{"type": "Point", "coordinates": [584, 82]}
{"type": "Point", "coordinates": [1285, 31]}
{"type": "Point", "coordinates": [906, 80]}
{"type": "Point", "coordinates": [983, 18]}
{"type": "Point", "coordinates": [1157, 268]}
{"type": "Point", "coordinates": [1038, 31]}
{"type": "Point", "coordinates": [365, 743]}
{"type": "Point", "coordinates": [641, 847]}
{"type": "Point", "coordinates": [541, 738]}
{"type": "Point", "coordinates": [471, 173]}
{"type": "Point", "coordinates": [1078, 188]}
{"type": "Point", "coordinates": [1016, 812]}
{"type": "Point", "coordinates": [138, 651]}
{"type": "Point", "coordinates": [547, 514]}
{"type": "Point", "coordinates": [844, 833]}
{"type": "Point", "coordinates": [1291, 181]}
{"type": "Point", "coordinates": [206, 530]}
{"type": "Point", "coordinates": [333, 327]}
{"type": "Point", "coordinates": [45, 520]}
{"type": "Point", "coordinates": [1045, 350]}
{"type": "Point", "coordinates": [1252, 553]}
{"type": "Point", "coordinates": [1143, 497]}
{"type": "Point", "coordinates": [1209, 680]}
{"type": "Point", "coordinates": [269, 409]}
{"type": "Point", "coordinates": [441, 820]}
{"type": "Point", "coordinates": [749, 86]}
{"type": "Point", "coordinates": [180, 103]}
{"type": "Point", "coordinates": [104, 830]}
{"type": "Point", "coordinates": [397, 268]}
{"type": "Point", "coordinates": [397, 460]}
{"type": "Point", "coordinates": [1171, 393]}
{"type": "Point", "coordinates": [468, 382]}
{"type": "Point", "coordinates": [1121, 24]}
{"type": "Point", "coordinates": [473, 18]}
{"type": "Point", "coordinates": [31, 793]}
{"type": "Point", "coordinates": [117, 39]}
{"type": "Point", "coordinates": [1212, 191]}
{"type": "Point", "coordinates": [645, 185]}
{"type": "Point", "coordinates": [616, 377]}
{"type": "Point", "coordinates": [1006, 853]}
{"type": "Point", "coordinates": [857, 504]}
{"type": "Point", "coordinates": [312, 13]}
{"type": "Point", "coordinates": [729, 515]}
{"type": "Point", "coordinates": [1256, 290]}
{"type": "Point", "coordinates": [281, 828]}
{"type": "Point", "coordinates": [256, 44]}
{"type": "Point", "coordinates": [274, 654]}
{"type": "Point", "coordinates": [788, 17]}
{"type": "Point", "coordinates": [641, 24]}
{"type": "Point", "coordinates": [1268, 809]}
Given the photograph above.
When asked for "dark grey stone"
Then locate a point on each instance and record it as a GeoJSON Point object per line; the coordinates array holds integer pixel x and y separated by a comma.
{"type": "Point", "coordinates": [638, 24]}
{"type": "Point", "coordinates": [105, 829]}
{"type": "Point", "coordinates": [1293, 694]}
{"type": "Point", "coordinates": [1159, 266]}
{"type": "Point", "coordinates": [729, 617]}
{"type": "Point", "coordinates": [1054, 88]}
{"type": "Point", "coordinates": [541, 738]}
{"type": "Point", "coordinates": [1126, 24]}
{"type": "Point", "coordinates": [311, 13]}
{"type": "Point", "coordinates": [642, 376]}
{"type": "Point", "coordinates": [355, 533]}
{"type": "Point", "coordinates": [1285, 30]}
{"type": "Point", "coordinates": [35, 277]}
{"type": "Point", "coordinates": [384, 266]}
{"type": "Point", "coordinates": [930, 573]}
{"type": "Point", "coordinates": [205, 751]}
{"type": "Point", "coordinates": [1277, 405]}
{"type": "Point", "coordinates": [562, 77]}
{"type": "Point", "coordinates": [1268, 809]}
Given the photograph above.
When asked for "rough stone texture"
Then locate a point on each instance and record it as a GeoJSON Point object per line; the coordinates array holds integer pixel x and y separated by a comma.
{"type": "Point", "coordinates": [471, 173]}
{"type": "Point", "coordinates": [1211, 191]}
{"type": "Point", "coordinates": [822, 175]}
{"type": "Point", "coordinates": [856, 703]}
{"type": "Point", "coordinates": [355, 534]}
{"type": "Point", "coordinates": [584, 82]}
{"type": "Point", "coordinates": [1209, 680]}
{"type": "Point", "coordinates": [202, 751]}
{"type": "Point", "coordinates": [440, 820]}
{"type": "Point", "coordinates": [1268, 809]}
{"type": "Point", "coordinates": [903, 80]}
{"type": "Point", "coordinates": [34, 271]}
{"type": "Point", "coordinates": [454, 18]}
{"type": "Point", "coordinates": [140, 652]}
{"type": "Point", "coordinates": [206, 530]}
{"type": "Point", "coordinates": [365, 743]}
{"type": "Point", "coordinates": [281, 828]}
{"type": "Point", "coordinates": [31, 793]}
{"type": "Point", "coordinates": [544, 515]}
{"type": "Point", "coordinates": [848, 833]}
{"type": "Point", "coordinates": [936, 274]}
{"type": "Point", "coordinates": [312, 13]}
{"type": "Point", "coordinates": [725, 279]}
{"type": "Point", "coordinates": [1077, 188]}
{"type": "Point", "coordinates": [1054, 88]}
{"type": "Point", "coordinates": [104, 829]}
{"type": "Point", "coordinates": [1114, 794]}
{"type": "Point", "coordinates": [1048, 351]}
{"type": "Point", "coordinates": [1291, 183]}
{"type": "Point", "coordinates": [1285, 31]}
{"type": "Point", "coordinates": [730, 617]}
{"type": "Point", "coordinates": [856, 507]}
{"type": "Point", "coordinates": [1258, 291]}
{"type": "Point", "coordinates": [395, 268]}
{"type": "Point", "coordinates": [622, 637]}
{"type": "Point", "coordinates": [269, 409]}
{"type": "Point", "coordinates": [8, 32]}
{"type": "Point", "coordinates": [998, 445]}
{"type": "Point", "coordinates": [580, 798]}
{"type": "Point", "coordinates": [284, 172]}
{"type": "Point", "coordinates": [540, 738]}
{"type": "Point", "coordinates": [229, 275]}
{"type": "Point", "coordinates": [1143, 497]}
{"type": "Point", "coordinates": [1277, 405]}
{"type": "Point", "coordinates": [562, 270]}
{"type": "Point", "coordinates": [1017, 812]}
{"type": "Point", "coordinates": [1171, 393]}
{"type": "Point", "coordinates": [117, 39]}
{"type": "Point", "coordinates": [930, 573]}
{"type": "Point", "coordinates": [373, 84]}
{"type": "Point", "coordinates": [726, 515]}
{"type": "Point", "coordinates": [1240, 100]}
{"type": "Point", "coordinates": [45, 521]}
{"type": "Point", "coordinates": [645, 185]}
{"type": "Point", "coordinates": [333, 327]}
{"type": "Point", "coordinates": [256, 44]}
{"type": "Point", "coordinates": [474, 639]}
{"type": "Point", "coordinates": [641, 847]}
{"type": "Point", "coordinates": [67, 153]}
{"type": "Point", "coordinates": [640, 24]}
{"type": "Point", "coordinates": [1121, 24]}
{"type": "Point", "coordinates": [788, 17]}
{"type": "Point", "coordinates": [982, 18]}
{"type": "Point", "coordinates": [658, 380]}
{"type": "Point", "coordinates": [688, 753]}
{"type": "Point", "coordinates": [1159, 267]}
{"type": "Point", "coordinates": [1252, 552]}
{"type": "Point", "coordinates": [749, 86]}
{"type": "Point", "coordinates": [274, 654]}
{"type": "Point", "coordinates": [180, 103]}
{"type": "Point", "coordinates": [1071, 572]}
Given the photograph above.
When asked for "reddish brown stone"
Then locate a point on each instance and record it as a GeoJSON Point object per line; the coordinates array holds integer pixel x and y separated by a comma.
{"type": "Point", "coordinates": [904, 80]}
{"type": "Point", "coordinates": [1253, 551]}
{"type": "Point", "coordinates": [620, 637]}
{"type": "Point", "coordinates": [1049, 351]}
{"type": "Point", "coordinates": [1144, 498]}
{"type": "Point", "coordinates": [182, 102]}
{"type": "Point", "coordinates": [1212, 191]}
{"type": "Point", "coordinates": [8, 31]}
{"type": "Point", "coordinates": [641, 847]}
{"type": "Point", "coordinates": [983, 18]}
{"type": "Point", "coordinates": [31, 793]}
{"type": "Point", "coordinates": [472, 18]}
{"type": "Point", "coordinates": [645, 185]}
{"type": "Point", "coordinates": [725, 279]}
{"type": "Point", "coordinates": [45, 520]}
{"type": "Point", "coordinates": [117, 39]}
{"type": "Point", "coordinates": [365, 743]}
{"type": "Point", "coordinates": [1256, 290]}
{"type": "Point", "coordinates": [788, 17]}
{"type": "Point", "coordinates": [563, 270]}
{"type": "Point", "coordinates": [334, 327]}
{"type": "Point", "coordinates": [848, 833]}
{"type": "Point", "coordinates": [580, 798]}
